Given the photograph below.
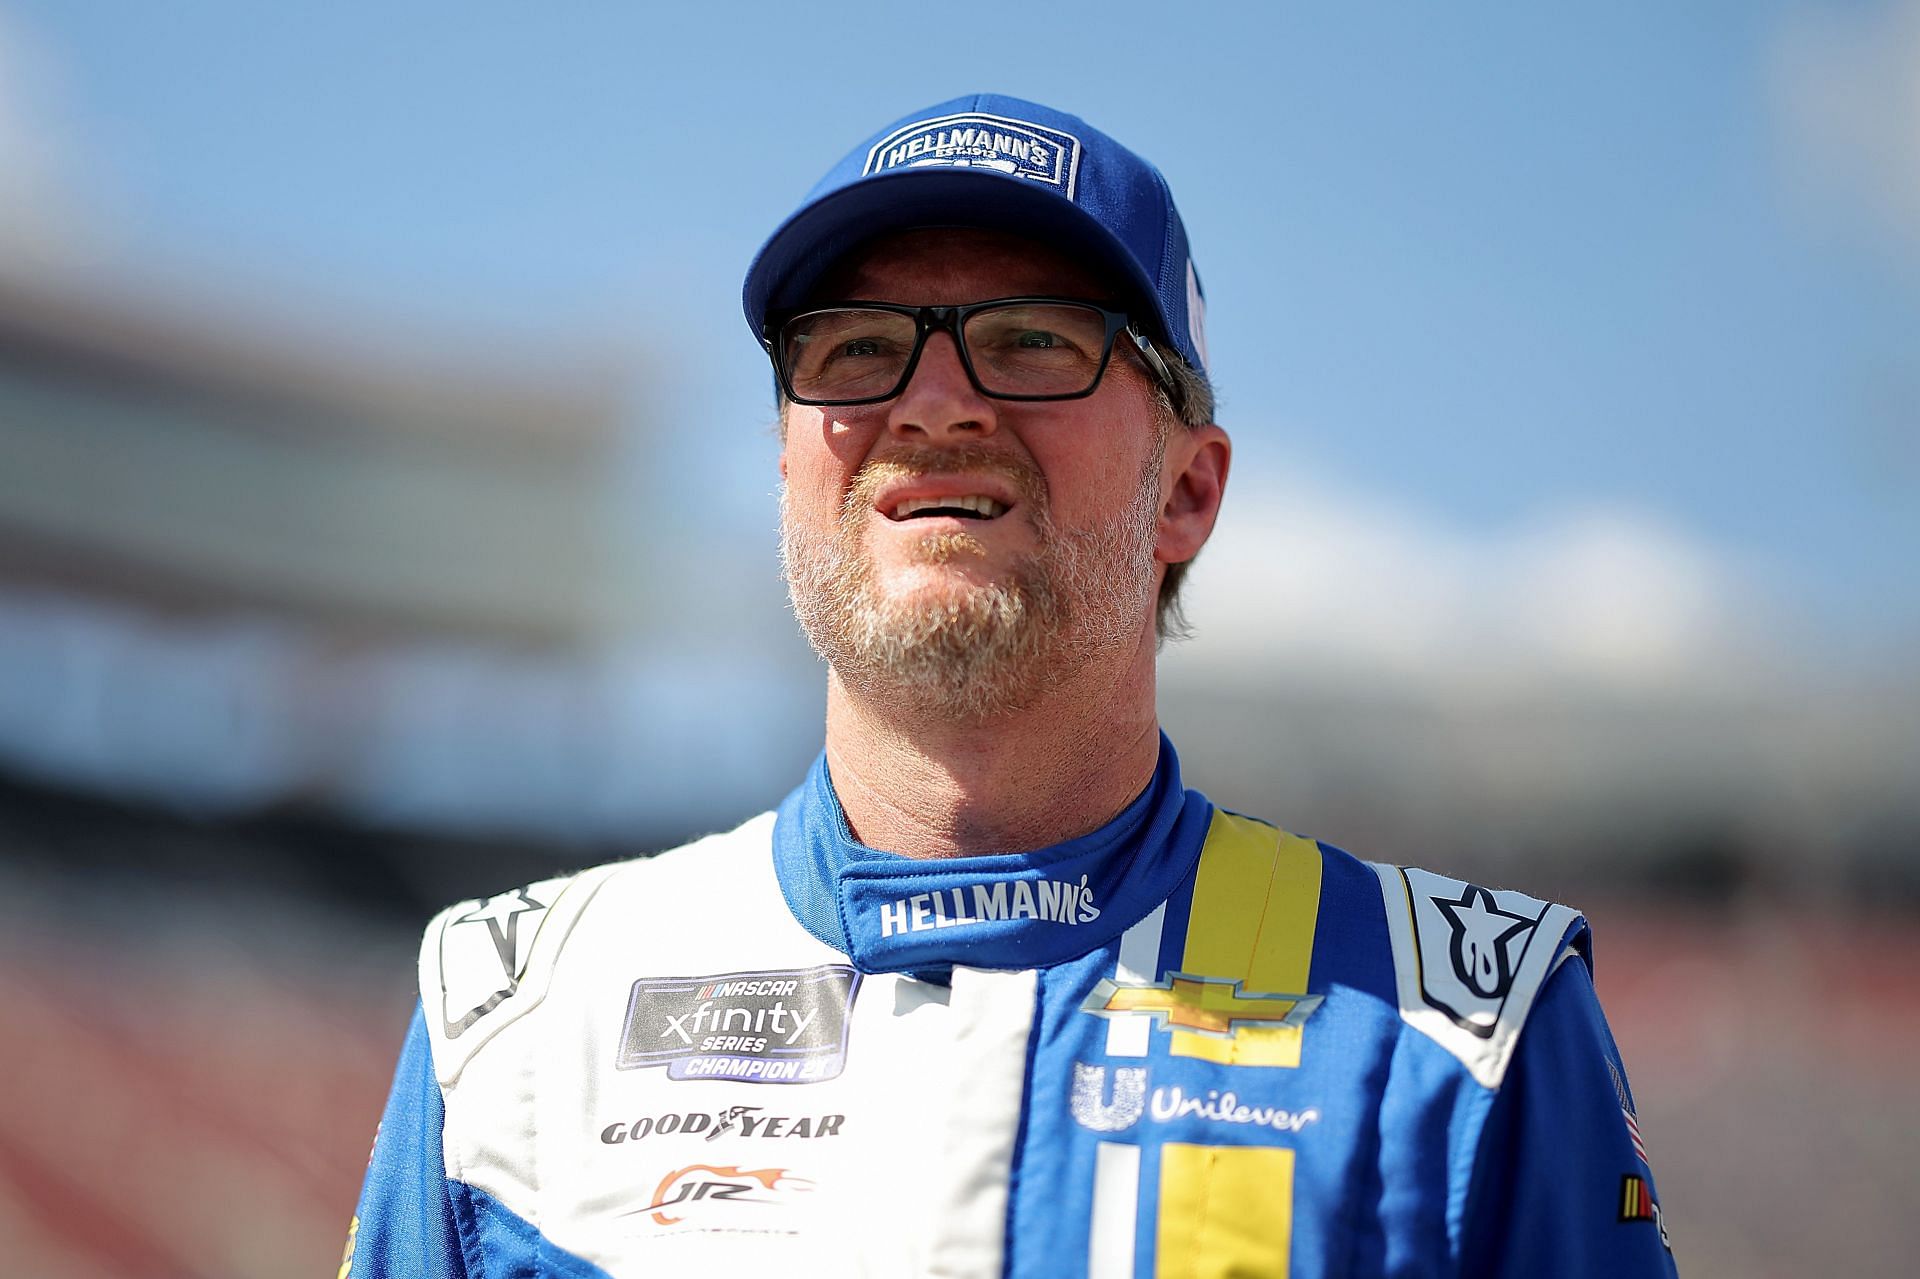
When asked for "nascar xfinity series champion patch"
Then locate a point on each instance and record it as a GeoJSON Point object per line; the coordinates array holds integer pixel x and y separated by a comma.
{"type": "Point", "coordinates": [785, 1026]}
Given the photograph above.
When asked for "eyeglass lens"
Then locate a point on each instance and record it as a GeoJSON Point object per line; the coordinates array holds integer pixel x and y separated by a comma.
{"type": "Point", "coordinates": [1022, 348]}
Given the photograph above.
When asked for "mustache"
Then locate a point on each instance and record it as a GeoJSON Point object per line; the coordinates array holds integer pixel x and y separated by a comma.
{"type": "Point", "coordinates": [912, 462]}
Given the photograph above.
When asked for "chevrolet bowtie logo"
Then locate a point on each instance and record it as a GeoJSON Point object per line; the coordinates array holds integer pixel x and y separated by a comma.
{"type": "Point", "coordinates": [1205, 1005]}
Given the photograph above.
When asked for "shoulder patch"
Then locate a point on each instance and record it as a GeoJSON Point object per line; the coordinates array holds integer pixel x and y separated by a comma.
{"type": "Point", "coordinates": [1469, 961]}
{"type": "Point", "coordinates": [485, 962]}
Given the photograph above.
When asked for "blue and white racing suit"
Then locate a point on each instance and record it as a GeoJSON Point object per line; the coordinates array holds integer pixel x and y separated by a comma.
{"type": "Point", "coordinates": [1186, 1043]}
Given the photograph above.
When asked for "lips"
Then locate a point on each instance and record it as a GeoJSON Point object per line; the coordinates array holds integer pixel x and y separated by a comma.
{"type": "Point", "coordinates": [901, 495]}
{"type": "Point", "coordinates": [964, 482]}
{"type": "Point", "coordinates": [966, 506]}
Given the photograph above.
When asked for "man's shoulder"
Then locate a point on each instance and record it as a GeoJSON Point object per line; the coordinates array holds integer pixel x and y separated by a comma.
{"type": "Point", "coordinates": [1470, 962]}
{"type": "Point", "coordinates": [486, 962]}
{"type": "Point", "coordinates": [1463, 963]}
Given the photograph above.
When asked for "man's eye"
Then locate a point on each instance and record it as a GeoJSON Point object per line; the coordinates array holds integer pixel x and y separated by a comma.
{"type": "Point", "coordinates": [860, 346]}
{"type": "Point", "coordinates": [1037, 338]}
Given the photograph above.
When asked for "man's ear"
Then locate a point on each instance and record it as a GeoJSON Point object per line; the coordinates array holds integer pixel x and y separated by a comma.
{"type": "Point", "coordinates": [1192, 483]}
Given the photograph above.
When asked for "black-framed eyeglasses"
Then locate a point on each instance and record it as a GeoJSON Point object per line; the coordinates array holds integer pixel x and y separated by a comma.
{"type": "Point", "coordinates": [1025, 348]}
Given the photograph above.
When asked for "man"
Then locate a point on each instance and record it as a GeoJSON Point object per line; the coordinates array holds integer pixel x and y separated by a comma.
{"type": "Point", "coordinates": [992, 992]}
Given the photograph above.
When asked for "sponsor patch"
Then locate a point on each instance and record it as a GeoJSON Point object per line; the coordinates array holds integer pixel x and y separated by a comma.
{"type": "Point", "coordinates": [1056, 901]}
{"type": "Point", "coordinates": [787, 1026]}
{"type": "Point", "coordinates": [723, 1197]}
{"type": "Point", "coordinates": [1471, 941]}
{"type": "Point", "coordinates": [975, 140]}
{"type": "Point", "coordinates": [1638, 1204]}
{"type": "Point", "coordinates": [743, 1121]}
{"type": "Point", "coordinates": [1093, 1108]}
{"type": "Point", "coordinates": [484, 954]}
{"type": "Point", "coordinates": [1204, 1005]}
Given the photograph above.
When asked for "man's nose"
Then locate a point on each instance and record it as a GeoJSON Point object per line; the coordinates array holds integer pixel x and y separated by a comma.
{"type": "Point", "coordinates": [940, 401]}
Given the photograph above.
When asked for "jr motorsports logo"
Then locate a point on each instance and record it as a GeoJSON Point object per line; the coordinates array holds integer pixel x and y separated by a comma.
{"type": "Point", "coordinates": [973, 139]}
{"type": "Point", "coordinates": [786, 1026]}
{"type": "Point", "coordinates": [724, 1196]}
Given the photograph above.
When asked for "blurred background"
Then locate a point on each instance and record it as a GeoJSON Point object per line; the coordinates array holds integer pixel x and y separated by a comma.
{"type": "Point", "coordinates": [387, 517]}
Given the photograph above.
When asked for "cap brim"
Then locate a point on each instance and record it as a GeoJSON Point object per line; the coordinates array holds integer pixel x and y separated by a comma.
{"type": "Point", "coordinates": [807, 244]}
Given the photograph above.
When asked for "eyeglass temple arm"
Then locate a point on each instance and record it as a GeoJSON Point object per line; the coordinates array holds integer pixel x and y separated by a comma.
{"type": "Point", "coordinates": [1157, 366]}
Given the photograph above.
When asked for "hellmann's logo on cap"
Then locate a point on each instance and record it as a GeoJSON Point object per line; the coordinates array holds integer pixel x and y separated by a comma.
{"type": "Point", "coordinates": [1054, 900]}
{"type": "Point", "coordinates": [976, 140]}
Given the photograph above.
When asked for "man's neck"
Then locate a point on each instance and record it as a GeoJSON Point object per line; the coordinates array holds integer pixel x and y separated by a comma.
{"type": "Point", "coordinates": [924, 786]}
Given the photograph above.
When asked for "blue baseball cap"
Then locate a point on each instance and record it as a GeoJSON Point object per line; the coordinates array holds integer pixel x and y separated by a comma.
{"type": "Point", "coordinates": [1004, 164]}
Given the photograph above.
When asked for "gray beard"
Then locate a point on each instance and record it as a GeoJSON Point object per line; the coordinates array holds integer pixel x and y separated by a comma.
{"type": "Point", "coordinates": [976, 653]}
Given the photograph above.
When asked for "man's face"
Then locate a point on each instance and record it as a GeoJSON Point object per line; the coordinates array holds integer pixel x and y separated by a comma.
{"type": "Point", "coordinates": [972, 613]}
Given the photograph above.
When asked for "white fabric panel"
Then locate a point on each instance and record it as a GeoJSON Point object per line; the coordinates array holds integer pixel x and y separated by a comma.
{"type": "Point", "coordinates": [1116, 1204]}
{"type": "Point", "coordinates": [992, 1017]}
{"type": "Point", "coordinates": [1139, 958]}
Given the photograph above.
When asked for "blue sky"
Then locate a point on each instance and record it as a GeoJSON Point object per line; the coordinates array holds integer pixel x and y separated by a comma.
{"type": "Point", "coordinates": [1482, 272]}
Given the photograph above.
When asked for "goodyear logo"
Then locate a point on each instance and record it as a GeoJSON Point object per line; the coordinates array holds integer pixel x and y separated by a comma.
{"type": "Point", "coordinates": [1203, 1005]}
{"type": "Point", "coordinates": [974, 139]}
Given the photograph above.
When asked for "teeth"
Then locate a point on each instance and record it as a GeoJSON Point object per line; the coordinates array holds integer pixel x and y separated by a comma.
{"type": "Point", "coordinates": [979, 505]}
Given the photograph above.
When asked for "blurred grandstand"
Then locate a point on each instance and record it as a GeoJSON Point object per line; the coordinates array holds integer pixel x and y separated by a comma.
{"type": "Point", "coordinates": [300, 639]}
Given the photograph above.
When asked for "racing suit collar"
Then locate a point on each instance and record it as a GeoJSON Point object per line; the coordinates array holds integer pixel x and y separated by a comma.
{"type": "Point", "coordinates": [891, 913]}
